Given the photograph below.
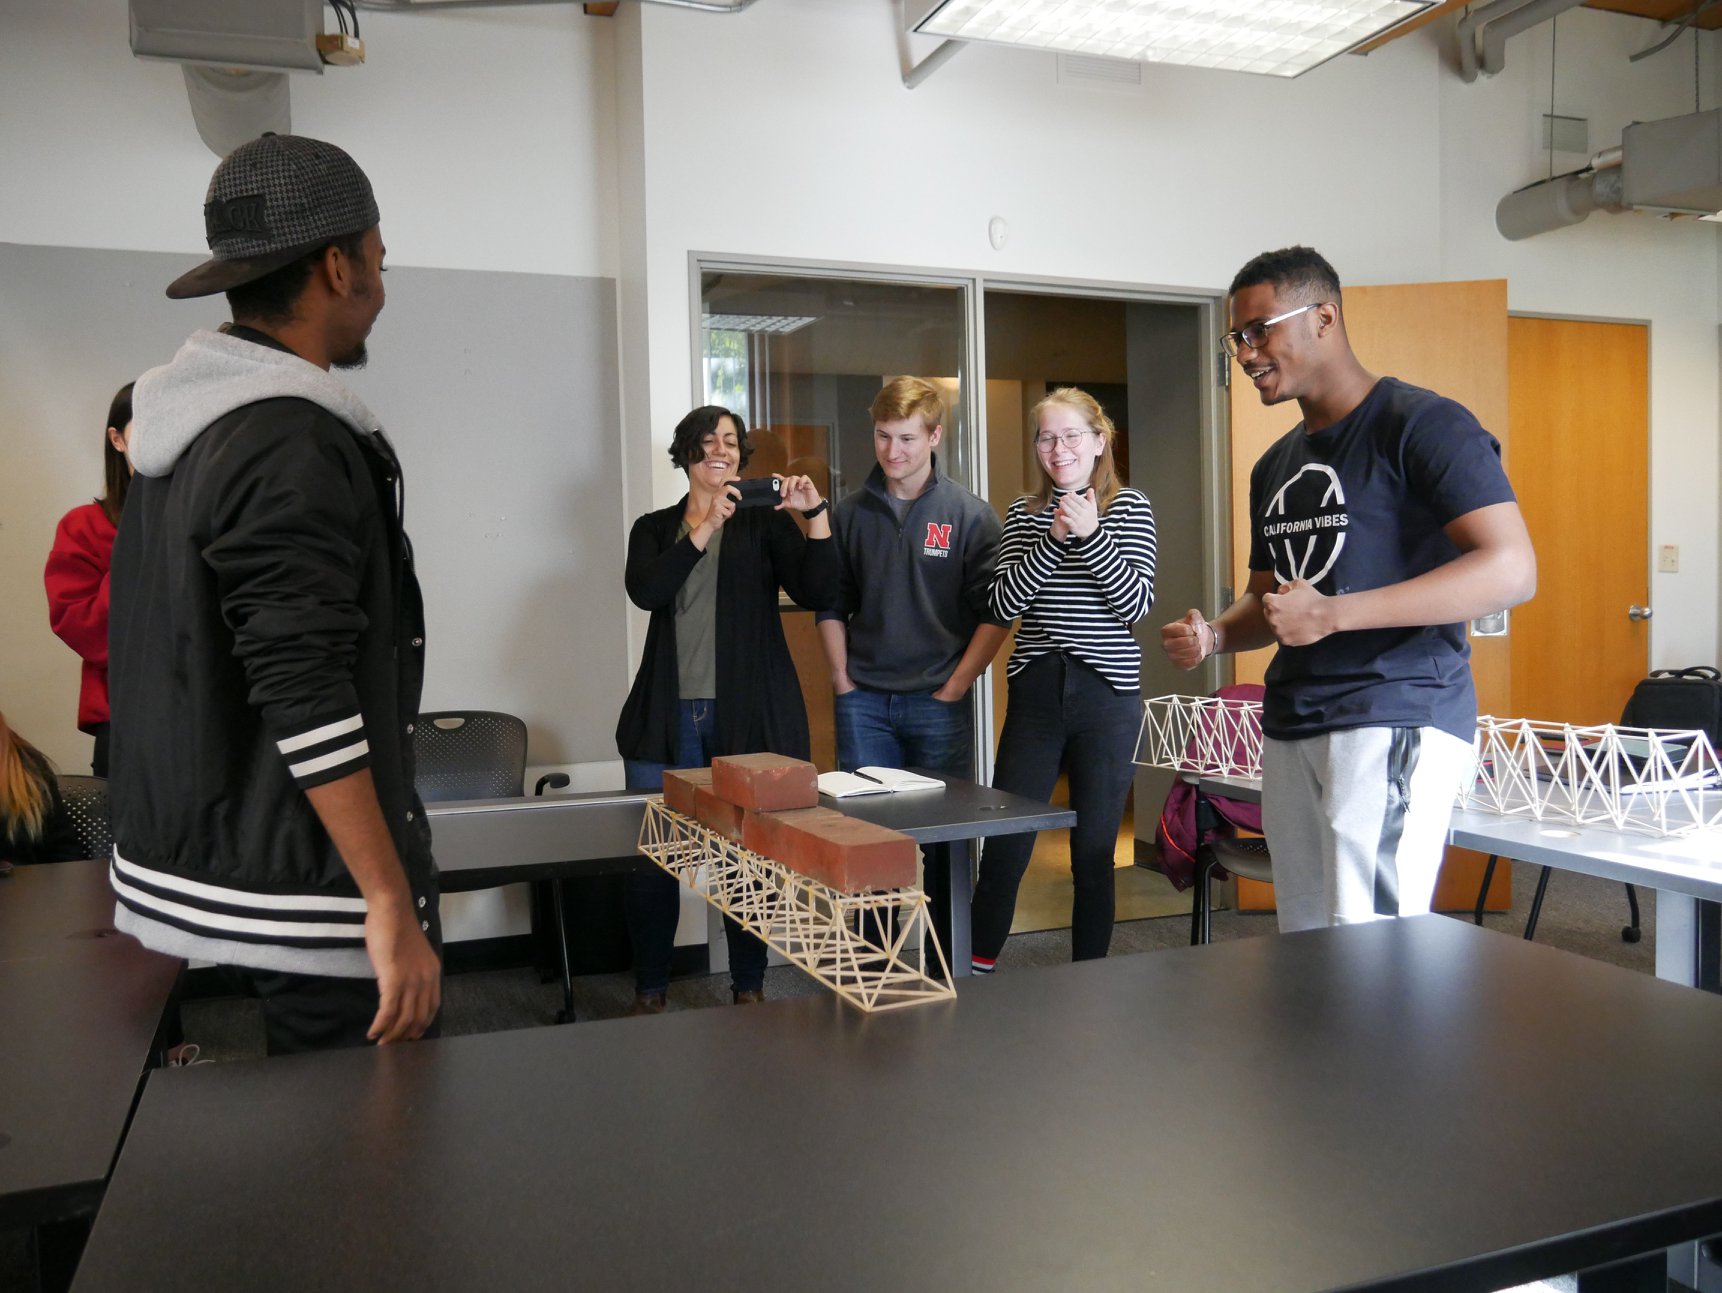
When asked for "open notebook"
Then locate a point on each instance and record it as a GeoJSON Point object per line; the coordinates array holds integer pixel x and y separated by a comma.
{"type": "Point", "coordinates": [874, 781]}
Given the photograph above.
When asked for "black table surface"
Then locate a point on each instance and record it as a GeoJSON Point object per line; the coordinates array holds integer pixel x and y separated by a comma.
{"type": "Point", "coordinates": [479, 843]}
{"type": "Point", "coordinates": [55, 909]}
{"type": "Point", "coordinates": [76, 1032]}
{"type": "Point", "coordinates": [961, 811]}
{"type": "Point", "coordinates": [1406, 1105]}
{"type": "Point", "coordinates": [79, 1008]}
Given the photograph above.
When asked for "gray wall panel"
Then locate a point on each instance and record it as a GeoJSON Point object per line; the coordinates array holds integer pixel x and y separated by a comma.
{"type": "Point", "coordinates": [500, 392]}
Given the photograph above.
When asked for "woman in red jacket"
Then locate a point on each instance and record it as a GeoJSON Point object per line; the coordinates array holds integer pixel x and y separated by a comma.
{"type": "Point", "coordinates": [77, 577]}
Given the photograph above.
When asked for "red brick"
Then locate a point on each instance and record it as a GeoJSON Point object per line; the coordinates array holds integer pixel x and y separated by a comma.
{"type": "Point", "coordinates": [679, 786]}
{"type": "Point", "coordinates": [766, 783]}
{"type": "Point", "coordinates": [769, 834]}
{"type": "Point", "coordinates": [847, 854]}
{"type": "Point", "coordinates": [722, 816]}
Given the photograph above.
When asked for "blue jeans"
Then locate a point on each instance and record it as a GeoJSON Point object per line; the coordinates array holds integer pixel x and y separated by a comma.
{"type": "Point", "coordinates": [909, 729]}
{"type": "Point", "coordinates": [891, 729]}
{"type": "Point", "coordinates": [653, 898]}
{"type": "Point", "coordinates": [1061, 713]}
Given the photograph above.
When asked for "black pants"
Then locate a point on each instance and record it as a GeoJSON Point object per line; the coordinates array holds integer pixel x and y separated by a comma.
{"type": "Point", "coordinates": [1061, 714]}
{"type": "Point", "coordinates": [99, 760]}
{"type": "Point", "coordinates": [306, 1012]}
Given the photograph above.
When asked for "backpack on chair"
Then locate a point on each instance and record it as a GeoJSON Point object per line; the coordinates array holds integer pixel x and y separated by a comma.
{"type": "Point", "coordinates": [1679, 700]}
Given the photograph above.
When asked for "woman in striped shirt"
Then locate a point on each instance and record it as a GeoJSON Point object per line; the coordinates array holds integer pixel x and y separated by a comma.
{"type": "Point", "coordinates": [1077, 563]}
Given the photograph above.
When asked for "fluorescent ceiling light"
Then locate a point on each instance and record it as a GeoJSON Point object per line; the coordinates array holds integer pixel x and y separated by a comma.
{"type": "Point", "coordinates": [1273, 37]}
{"type": "Point", "coordinates": [777, 324]}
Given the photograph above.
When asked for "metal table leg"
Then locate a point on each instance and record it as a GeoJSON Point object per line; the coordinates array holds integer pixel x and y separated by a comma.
{"type": "Point", "coordinates": [566, 1014]}
{"type": "Point", "coordinates": [950, 898]}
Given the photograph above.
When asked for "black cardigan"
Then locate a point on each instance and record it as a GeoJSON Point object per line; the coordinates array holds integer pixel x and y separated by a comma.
{"type": "Point", "coordinates": [759, 706]}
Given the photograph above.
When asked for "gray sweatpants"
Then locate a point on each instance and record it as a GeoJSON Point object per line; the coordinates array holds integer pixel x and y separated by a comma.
{"type": "Point", "coordinates": [1356, 821]}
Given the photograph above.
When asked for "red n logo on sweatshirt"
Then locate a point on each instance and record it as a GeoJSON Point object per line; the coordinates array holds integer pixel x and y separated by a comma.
{"type": "Point", "coordinates": [938, 536]}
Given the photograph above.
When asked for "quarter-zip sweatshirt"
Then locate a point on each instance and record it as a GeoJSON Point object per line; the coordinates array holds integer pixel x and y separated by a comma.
{"type": "Point", "coordinates": [913, 590]}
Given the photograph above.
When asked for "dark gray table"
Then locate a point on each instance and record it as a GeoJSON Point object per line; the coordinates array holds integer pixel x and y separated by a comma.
{"type": "Point", "coordinates": [483, 843]}
{"type": "Point", "coordinates": [1407, 1105]}
{"type": "Point", "coordinates": [1686, 872]}
{"type": "Point", "coordinates": [55, 910]}
{"type": "Point", "coordinates": [80, 1010]}
{"type": "Point", "coordinates": [78, 1033]}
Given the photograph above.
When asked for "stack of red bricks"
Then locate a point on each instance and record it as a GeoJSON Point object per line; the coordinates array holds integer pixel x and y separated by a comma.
{"type": "Point", "coordinates": [770, 804]}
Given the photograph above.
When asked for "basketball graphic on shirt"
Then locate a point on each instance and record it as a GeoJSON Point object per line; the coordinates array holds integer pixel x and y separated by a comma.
{"type": "Point", "coordinates": [1305, 523]}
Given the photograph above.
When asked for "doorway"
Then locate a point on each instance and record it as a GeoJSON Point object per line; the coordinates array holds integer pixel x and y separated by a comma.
{"type": "Point", "coordinates": [1580, 396]}
{"type": "Point", "coordinates": [1147, 363]}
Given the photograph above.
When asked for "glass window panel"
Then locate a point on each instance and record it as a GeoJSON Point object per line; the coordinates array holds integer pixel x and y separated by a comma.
{"type": "Point", "coordinates": [801, 357]}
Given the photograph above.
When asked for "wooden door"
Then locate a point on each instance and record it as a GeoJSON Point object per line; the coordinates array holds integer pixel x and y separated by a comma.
{"type": "Point", "coordinates": [1448, 337]}
{"type": "Point", "coordinates": [1581, 458]}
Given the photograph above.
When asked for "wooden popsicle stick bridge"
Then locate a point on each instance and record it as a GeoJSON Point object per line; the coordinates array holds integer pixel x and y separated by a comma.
{"type": "Point", "coordinates": [826, 933]}
{"type": "Point", "coordinates": [1647, 780]}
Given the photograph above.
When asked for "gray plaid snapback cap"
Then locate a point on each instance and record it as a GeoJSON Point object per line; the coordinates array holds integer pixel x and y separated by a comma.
{"type": "Point", "coordinates": [270, 202]}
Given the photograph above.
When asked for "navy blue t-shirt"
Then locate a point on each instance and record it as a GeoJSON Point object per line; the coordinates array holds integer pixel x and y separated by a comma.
{"type": "Point", "coordinates": [1360, 505]}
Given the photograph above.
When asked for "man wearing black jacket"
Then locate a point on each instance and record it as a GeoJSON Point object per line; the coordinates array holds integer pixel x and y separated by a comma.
{"type": "Point", "coordinates": [266, 641]}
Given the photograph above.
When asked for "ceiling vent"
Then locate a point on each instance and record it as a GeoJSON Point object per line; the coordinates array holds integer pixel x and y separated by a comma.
{"type": "Point", "coordinates": [234, 57]}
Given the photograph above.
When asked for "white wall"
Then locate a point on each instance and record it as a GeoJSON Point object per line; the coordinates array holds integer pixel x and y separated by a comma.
{"type": "Point", "coordinates": [1167, 186]}
{"type": "Point", "coordinates": [1389, 164]}
{"type": "Point", "coordinates": [490, 141]}
{"type": "Point", "coordinates": [489, 138]}
{"type": "Point", "coordinates": [1630, 266]}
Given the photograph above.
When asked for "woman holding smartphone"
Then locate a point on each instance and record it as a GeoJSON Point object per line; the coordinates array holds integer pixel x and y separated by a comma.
{"type": "Point", "coordinates": [1077, 564]}
{"type": "Point", "coordinates": [716, 676]}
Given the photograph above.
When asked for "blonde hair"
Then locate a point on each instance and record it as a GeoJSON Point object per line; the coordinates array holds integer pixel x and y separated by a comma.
{"type": "Point", "coordinates": [904, 397]}
{"type": "Point", "coordinates": [1104, 482]}
{"type": "Point", "coordinates": [24, 799]}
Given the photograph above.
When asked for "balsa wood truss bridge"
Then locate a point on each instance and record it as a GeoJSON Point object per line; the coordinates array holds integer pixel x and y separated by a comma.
{"type": "Point", "coordinates": [1625, 778]}
{"type": "Point", "coordinates": [827, 933]}
{"type": "Point", "coordinates": [1646, 780]}
{"type": "Point", "coordinates": [1205, 735]}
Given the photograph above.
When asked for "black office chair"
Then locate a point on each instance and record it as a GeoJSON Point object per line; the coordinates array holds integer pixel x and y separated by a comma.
{"type": "Point", "coordinates": [473, 754]}
{"type": "Point", "coordinates": [1247, 857]}
{"type": "Point", "coordinates": [86, 801]}
{"type": "Point", "coordinates": [481, 754]}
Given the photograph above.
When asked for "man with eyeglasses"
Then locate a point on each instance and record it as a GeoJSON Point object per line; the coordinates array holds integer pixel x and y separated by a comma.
{"type": "Point", "coordinates": [1379, 526]}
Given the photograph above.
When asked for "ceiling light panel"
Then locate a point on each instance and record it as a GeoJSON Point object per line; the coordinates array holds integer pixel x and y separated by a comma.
{"type": "Point", "coordinates": [774, 324]}
{"type": "Point", "coordinates": [1271, 37]}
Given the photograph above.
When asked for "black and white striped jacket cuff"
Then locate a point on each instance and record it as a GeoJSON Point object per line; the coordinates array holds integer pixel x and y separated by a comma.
{"type": "Point", "coordinates": [326, 750]}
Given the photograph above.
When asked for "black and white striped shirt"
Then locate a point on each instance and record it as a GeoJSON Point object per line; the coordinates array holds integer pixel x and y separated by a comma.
{"type": "Point", "coordinates": [1081, 596]}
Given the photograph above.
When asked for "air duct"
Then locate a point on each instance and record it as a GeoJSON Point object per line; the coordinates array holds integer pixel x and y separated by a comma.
{"type": "Point", "coordinates": [1564, 200]}
{"type": "Point", "coordinates": [1670, 167]}
{"type": "Point", "coordinates": [1492, 25]}
{"type": "Point", "coordinates": [234, 57]}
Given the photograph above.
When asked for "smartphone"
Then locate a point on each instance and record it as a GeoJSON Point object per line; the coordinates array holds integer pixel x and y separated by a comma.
{"type": "Point", "coordinates": [766, 491]}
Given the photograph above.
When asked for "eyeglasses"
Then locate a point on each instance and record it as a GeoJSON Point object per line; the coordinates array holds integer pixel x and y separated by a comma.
{"type": "Point", "coordinates": [1069, 439]}
{"type": "Point", "coordinates": [1255, 335]}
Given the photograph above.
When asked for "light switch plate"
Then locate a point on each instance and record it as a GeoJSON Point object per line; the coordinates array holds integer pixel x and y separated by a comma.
{"type": "Point", "coordinates": [1668, 559]}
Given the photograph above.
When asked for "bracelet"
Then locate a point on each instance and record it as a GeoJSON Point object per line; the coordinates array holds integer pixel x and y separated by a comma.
{"type": "Point", "coordinates": [1214, 637]}
{"type": "Point", "coordinates": [816, 509]}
